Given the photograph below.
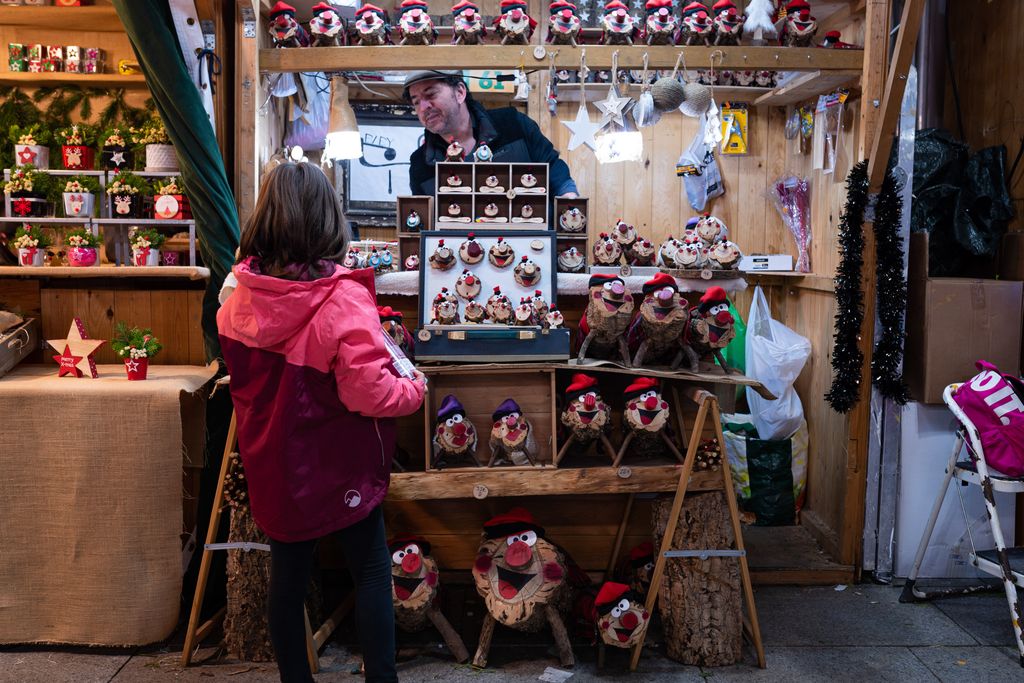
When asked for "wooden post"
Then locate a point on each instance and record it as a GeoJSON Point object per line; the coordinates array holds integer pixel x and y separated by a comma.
{"type": "Point", "coordinates": [247, 91]}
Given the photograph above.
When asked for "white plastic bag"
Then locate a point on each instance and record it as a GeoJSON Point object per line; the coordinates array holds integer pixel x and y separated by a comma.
{"type": "Point", "coordinates": [775, 357]}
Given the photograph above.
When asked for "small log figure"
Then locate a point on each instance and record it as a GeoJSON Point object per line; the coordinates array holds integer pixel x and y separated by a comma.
{"type": "Point", "coordinates": [391, 321]}
{"type": "Point", "coordinates": [799, 27]}
{"type": "Point", "coordinates": [624, 234]}
{"type": "Point", "coordinates": [641, 567]}
{"type": "Point", "coordinates": [444, 311]}
{"type": "Point", "coordinates": [588, 418]}
{"type": "Point", "coordinates": [607, 318]}
{"type": "Point", "coordinates": [607, 251]}
{"type": "Point", "coordinates": [621, 617]}
{"type": "Point", "coordinates": [619, 27]}
{"type": "Point", "coordinates": [467, 24]}
{"type": "Point", "coordinates": [284, 30]}
{"type": "Point", "coordinates": [698, 29]}
{"type": "Point", "coordinates": [455, 436]}
{"type": "Point", "coordinates": [711, 328]}
{"type": "Point", "coordinates": [661, 27]}
{"type": "Point", "coordinates": [371, 26]}
{"type": "Point", "coordinates": [646, 420]}
{"type": "Point", "coordinates": [708, 457]}
{"type": "Point", "coordinates": [499, 308]}
{"type": "Point", "coordinates": [525, 315]}
{"type": "Point", "coordinates": [514, 25]}
{"type": "Point", "coordinates": [728, 23]}
{"type": "Point", "coordinates": [641, 252]}
{"type": "Point", "coordinates": [564, 26]}
{"type": "Point", "coordinates": [326, 26]}
{"type": "Point", "coordinates": [414, 591]}
{"type": "Point", "coordinates": [522, 579]}
{"type": "Point", "coordinates": [415, 27]}
{"type": "Point", "coordinates": [724, 255]}
{"type": "Point", "coordinates": [659, 330]}
{"type": "Point", "coordinates": [512, 441]}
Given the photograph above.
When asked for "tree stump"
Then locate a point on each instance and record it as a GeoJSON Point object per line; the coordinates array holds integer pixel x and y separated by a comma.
{"type": "Point", "coordinates": [246, 635]}
{"type": "Point", "coordinates": [700, 600]}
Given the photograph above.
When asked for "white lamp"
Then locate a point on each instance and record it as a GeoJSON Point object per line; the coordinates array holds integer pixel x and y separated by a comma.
{"type": "Point", "coordinates": [619, 142]}
{"type": "Point", "coordinates": [343, 139]}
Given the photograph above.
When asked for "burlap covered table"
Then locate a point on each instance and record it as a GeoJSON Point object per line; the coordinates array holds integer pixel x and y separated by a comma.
{"type": "Point", "coordinates": [91, 502]}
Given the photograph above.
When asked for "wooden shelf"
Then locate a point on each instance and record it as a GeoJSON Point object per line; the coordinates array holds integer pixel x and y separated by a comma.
{"type": "Point", "coordinates": [91, 18]}
{"type": "Point", "coordinates": [511, 56]}
{"type": "Point", "coordinates": [570, 92]}
{"type": "Point", "coordinates": [49, 220]}
{"type": "Point", "coordinates": [806, 86]}
{"type": "Point", "coordinates": [545, 482]}
{"type": "Point", "coordinates": [141, 221]}
{"type": "Point", "coordinates": [52, 78]}
{"type": "Point", "coordinates": [69, 272]}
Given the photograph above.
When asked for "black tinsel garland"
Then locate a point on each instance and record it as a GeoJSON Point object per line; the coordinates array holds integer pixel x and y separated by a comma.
{"type": "Point", "coordinates": [886, 373]}
{"type": "Point", "coordinates": [847, 359]}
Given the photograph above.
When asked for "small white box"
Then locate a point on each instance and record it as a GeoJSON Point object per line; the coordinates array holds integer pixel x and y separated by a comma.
{"type": "Point", "coordinates": [770, 262]}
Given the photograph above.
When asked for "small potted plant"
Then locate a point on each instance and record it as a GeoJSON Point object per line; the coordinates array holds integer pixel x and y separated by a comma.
{"type": "Point", "coordinates": [82, 247]}
{"type": "Point", "coordinates": [145, 244]}
{"type": "Point", "coordinates": [80, 196]}
{"type": "Point", "coordinates": [30, 145]}
{"type": "Point", "coordinates": [76, 146]}
{"type": "Point", "coordinates": [169, 203]}
{"type": "Point", "coordinates": [160, 154]}
{"type": "Point", "coordinates": [135, 347]}
{"type": "Point", "coordinates": [116, 154]}
{"type": "Point", "coordinates": [126, 191]}
{"type": "Point", "coordinates": [28, 188]}
{"type": "Point", "coordinates": [31, 243]}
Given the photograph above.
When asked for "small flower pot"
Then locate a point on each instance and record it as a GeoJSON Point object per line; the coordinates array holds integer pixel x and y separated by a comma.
{"type": "Point", "coordinates": [29, 205]}
{"type": "Point", "coordinates": [146, 256]}
{"type": "Point", "coordinates": [125, 206]}
{"type": "Point", "coordinates": [116, 157]}
{"type": "Point", "coordinates": [37, 155]}
{"type": "Point", "coordinates": [136, 368]}
{"type": "Point", "coordinates": [82, 257]}
{"type": "Point", "coordinates": [78, 157]}
{"type": "Point", "coordinates": [161, 158]}
{"type": "Point", "coordinates": [171, 207]}
{"type": "Point", "coordinates": [32, 257]}
{"type": "Point", "coordinates": [79, 204]}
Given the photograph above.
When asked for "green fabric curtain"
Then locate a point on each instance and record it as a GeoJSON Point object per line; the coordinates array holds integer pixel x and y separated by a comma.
{"type": "Point", "coordinates": [151, 31]}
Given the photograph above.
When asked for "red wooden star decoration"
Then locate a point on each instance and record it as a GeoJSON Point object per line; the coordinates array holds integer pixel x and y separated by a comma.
{"type": "Point", "coordinates": [78, 349]}
{"type": "Point", "coordinates": [68, 363]}
{"type": "Point", "coordinates": [27, 156]}
{"type": "Point", "coordinates": [22, 206]}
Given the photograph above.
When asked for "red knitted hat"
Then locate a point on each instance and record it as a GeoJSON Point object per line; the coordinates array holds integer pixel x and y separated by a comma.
{"type": "Point", "coordinates": [694, 8]}
{"type": "Point", "coordinates": [408, 5]}
{"type": "Point", "coordinates": [281, 8]}
{"type": "Point", "coordinates": [653, 6]}
{"type": "Point", "coordinates": [613, 6]}
{"type": "Point", "coordinates": [464, 5]}
{"type": "Point", "coordinates": [660, 281]}
{"type": "Point", "coordinates": [401, 540]}
{"type": "Point", "coordinates": [581, 384]}
{"type": "Point", "coordinates": [558, 5]}
{"type": "Point", "coordinates": [599, 279]}
{"type": "Point", "coordinates": [723, 5]}
{"type": "Point", "coordinates": [509, 5]}
{"type": "Point", "coordinates": [513, 521]}
{"type": "Point", "coordinates": [797, 6]}
{"type": "Point", "coordinates": [609, 596]}
{"type": "Point", "coordinates": [370, 8]}
{"type": "Point", "coordinates": [712, 297]}
{"type": "Point", "coordinates": [388, 313]}
{"type": "Point", "coordinates": [640, 385]}
{"type": "Point", "coordinates": [642, 554]}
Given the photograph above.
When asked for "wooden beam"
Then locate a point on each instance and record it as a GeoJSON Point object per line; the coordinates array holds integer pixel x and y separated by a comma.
{"type": "Point", "coordinates": [246, 93]}
{"type": "Point", "coordinates": [394, 57]}
{"type": "Point", "coordinates": [876, 57]}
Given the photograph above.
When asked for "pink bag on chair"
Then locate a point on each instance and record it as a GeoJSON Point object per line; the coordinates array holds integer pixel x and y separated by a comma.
{"type": "Point", "coordinates": [994, 402]}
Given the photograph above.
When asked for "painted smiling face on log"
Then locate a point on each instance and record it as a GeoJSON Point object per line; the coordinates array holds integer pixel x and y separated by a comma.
{"type": "Point", "coordinates": [413, 572]}
{"type": "Point", "coordinates": [621, 619]}
{"type": "Point", "coordinates": [646, 410]}
{"type": "Point", "coordinates": [586, 414]}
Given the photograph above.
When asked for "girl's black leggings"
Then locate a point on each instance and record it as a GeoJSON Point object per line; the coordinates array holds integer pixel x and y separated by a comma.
{"type": "Point", "coordinates": [291, 565]}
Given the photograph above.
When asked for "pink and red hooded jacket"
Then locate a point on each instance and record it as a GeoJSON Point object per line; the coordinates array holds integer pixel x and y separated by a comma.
{"type": "Point", "coordinates": [314, 392]}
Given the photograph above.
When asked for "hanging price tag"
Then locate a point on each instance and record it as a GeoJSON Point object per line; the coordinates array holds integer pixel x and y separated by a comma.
{"type": "Point", "coordinates": [487, 80]}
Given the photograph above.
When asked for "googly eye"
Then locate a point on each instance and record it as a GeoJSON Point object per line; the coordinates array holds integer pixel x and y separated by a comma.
{"type": "Point", "coordinates": [623, 604]}
{"type": "Point", "coordinates": [450, 422]}
{"type": "Point", "coordinates": [412, 549]}
{"type": "Point", "coordinates": [456, 419]}
{"type": "Point", "coordinates": [616, 612]}
{"type": "Point", "coordinates": [398, 556]}
{"type": "Point", "coordinates": [649, 566]}
{"type": "Point", "coordinates": [515, 415]}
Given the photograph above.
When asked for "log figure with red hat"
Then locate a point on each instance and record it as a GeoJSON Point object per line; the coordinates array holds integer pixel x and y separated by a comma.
{"type": "Point", "coordinates": [371, 26]}
{"type": "Point", "coordinates": [415, 27]}
{"type": "Point", "coordinates": [444, 311]}
{"type": "Point", "coordinates": [325, 27]}
{"type": "Point", "coordinates": [587, 417]}
{"type": "Point", "coordinates": [641, 567]}
{"type": "Point", "coordinates": [467, 24]}
{"type": "Point", "coordinates": [658, 332]}
{"type": "Point", "coordinates": [621, 617]}
{"type": "Point", "coordinates": [728, 22]}
{"type": "Point", "coordinates": [646, 421]}
{"type": "Point", "coordinates": [512, 440]}
{"type": "Point", "coordinates": [641, 253]}
{"type": "Point", "coordinates": [833, 40]}
{"type": "Point", "coordinates": [522, 578]}
{"type": "Point", "coordinates": [391, 321]}
{"type": "Point", "coordinates": [698, 28]}
{"type": "Point", "coordinates": [514, 25]}
{"type": "Point", "coordinates": [662, 26]}
{"type": "Point", "coordinates": [414, 591]}
{"type": "Point", "coordinates": [799, 27]}
{"type": "Point", "coordinates": [619, 27]}
{"type": "Point", "coordinates": [455, 437]}
{"type": "Point", "coordinates": [564, 25]}
{"type": "Point", "coordinates": [607, 250]}
{"type": "Point", "coordinates": [711, 328]}
{"type": "Point", "coordinates": [607, 318]}
{"type": "Point", "coordinates": [284, 28]}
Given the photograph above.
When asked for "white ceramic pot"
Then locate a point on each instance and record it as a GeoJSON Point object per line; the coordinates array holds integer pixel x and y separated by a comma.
{"type": "Point", "coordinates": [37, 155]}
{"type": "Point", "coordinates": [31, 257]}
{"type": "Point", "coordinates": [161, 158]}
{"type": "Point", "coordinates": [79, 204]}
{"type": "Point", "coordinates": [142, 258]}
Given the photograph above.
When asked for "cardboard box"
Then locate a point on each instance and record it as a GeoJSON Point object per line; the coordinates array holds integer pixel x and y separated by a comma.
{"type": "Point", "coordinates": [953, 322]}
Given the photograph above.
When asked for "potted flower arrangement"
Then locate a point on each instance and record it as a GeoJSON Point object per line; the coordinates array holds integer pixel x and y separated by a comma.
{"type": "Point", "coordinates": [116, 154]}
{"type": "Point", "coordinates": [30, 145]}
{"type": "Point", "coordinates": [126, 191]}
{"type": "Point", "coordinates": [80, 196]}
{"type": "Point", "coordinates": [169, 203]}
{"type": "Point", "coordinates": [76, 146]}
{"type": "Point", "coordinates": [145, 244]}
{"type": "Point", "coordinates": [160, 154]}
{"type": "Point", "coordinates": [31, 243]}
{"type": "Point", "coordinates": [82, 247]}
{"type": "Point", "coordinates": [28, 188]}
{"type": "Point", "coordinates": [135, 347]}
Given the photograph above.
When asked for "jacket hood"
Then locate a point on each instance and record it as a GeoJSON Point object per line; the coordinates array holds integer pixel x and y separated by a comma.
{"type": "Point", "coordinates": [268, 310]}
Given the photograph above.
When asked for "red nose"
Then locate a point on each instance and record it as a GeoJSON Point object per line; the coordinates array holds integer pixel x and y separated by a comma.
{"type": "Point", "coordinates": [663, 12]}
{"type": "Point", "coordinates": [608, 247]}
{"type": "Point", "coordinates": [411, 563]}
{"type": "Point", "coordinates": [517, 15]}
{"type": "Point", "coordinates": [589, 402]}
{"type": "Point", "coordinates": [651, 402]}
{"type": "Point", "coordinates": [723, 318]}
{"type": "Point", "coordinates": [623, 228]}
{"type": "Point", "coordinates": [416, 14]}
{"type": "Point", "coordinates": [732, 14]}
{"type": "Point", "coordinates": [459, 429]}
{"type": "Point", "coordinates": [511, 421]}
{"type": "Point", "coordinates": [566, 14]}
{"type": "Point", "coordinates": [618, 288]}
{"type": "Point", "coordinates": [470, 281]}
{"type": "Point", "coordinates": [518, 554]}
{"type": "Point", "coordinates": [629, 620]}
{"type": "Point", "coordinates": [620, 15]}
{"type": "Point", "coordinates": [804, 15]}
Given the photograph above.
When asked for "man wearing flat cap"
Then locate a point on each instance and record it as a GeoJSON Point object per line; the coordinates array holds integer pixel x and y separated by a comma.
{"type": "Point", "coordinates": [449, 113]}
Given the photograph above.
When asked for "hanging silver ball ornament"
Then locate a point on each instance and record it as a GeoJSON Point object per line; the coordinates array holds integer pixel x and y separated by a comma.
{"type": "Point", "coordinates": [697, 99]}
{"type": "Point", "coordinates": [668, 94]}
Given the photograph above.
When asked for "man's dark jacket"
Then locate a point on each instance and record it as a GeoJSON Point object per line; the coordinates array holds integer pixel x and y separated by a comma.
{"type": "Point", "coordinates": [513, 138]}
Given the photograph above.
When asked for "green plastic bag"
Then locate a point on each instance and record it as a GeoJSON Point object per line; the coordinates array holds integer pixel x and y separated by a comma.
{"type": "Point", "coordinates": [735, 353]}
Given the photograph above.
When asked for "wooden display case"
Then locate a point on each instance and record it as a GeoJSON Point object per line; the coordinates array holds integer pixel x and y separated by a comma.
{"type": "Point", "coordinates": [507, 194]}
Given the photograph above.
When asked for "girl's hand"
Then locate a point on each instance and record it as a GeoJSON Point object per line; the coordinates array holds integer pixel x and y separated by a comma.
{"type": "Point", "coordinates": [418, 376]}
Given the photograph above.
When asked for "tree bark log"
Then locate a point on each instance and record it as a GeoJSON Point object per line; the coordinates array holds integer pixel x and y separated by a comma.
{"type": "Point", "coordinates": [246, 636]}
{"type": "Point", "coordinates": [700, 600]}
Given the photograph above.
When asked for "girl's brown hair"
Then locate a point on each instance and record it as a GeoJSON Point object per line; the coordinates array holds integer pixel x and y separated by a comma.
{"type": "Point", "coordinates": [297, 220]}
